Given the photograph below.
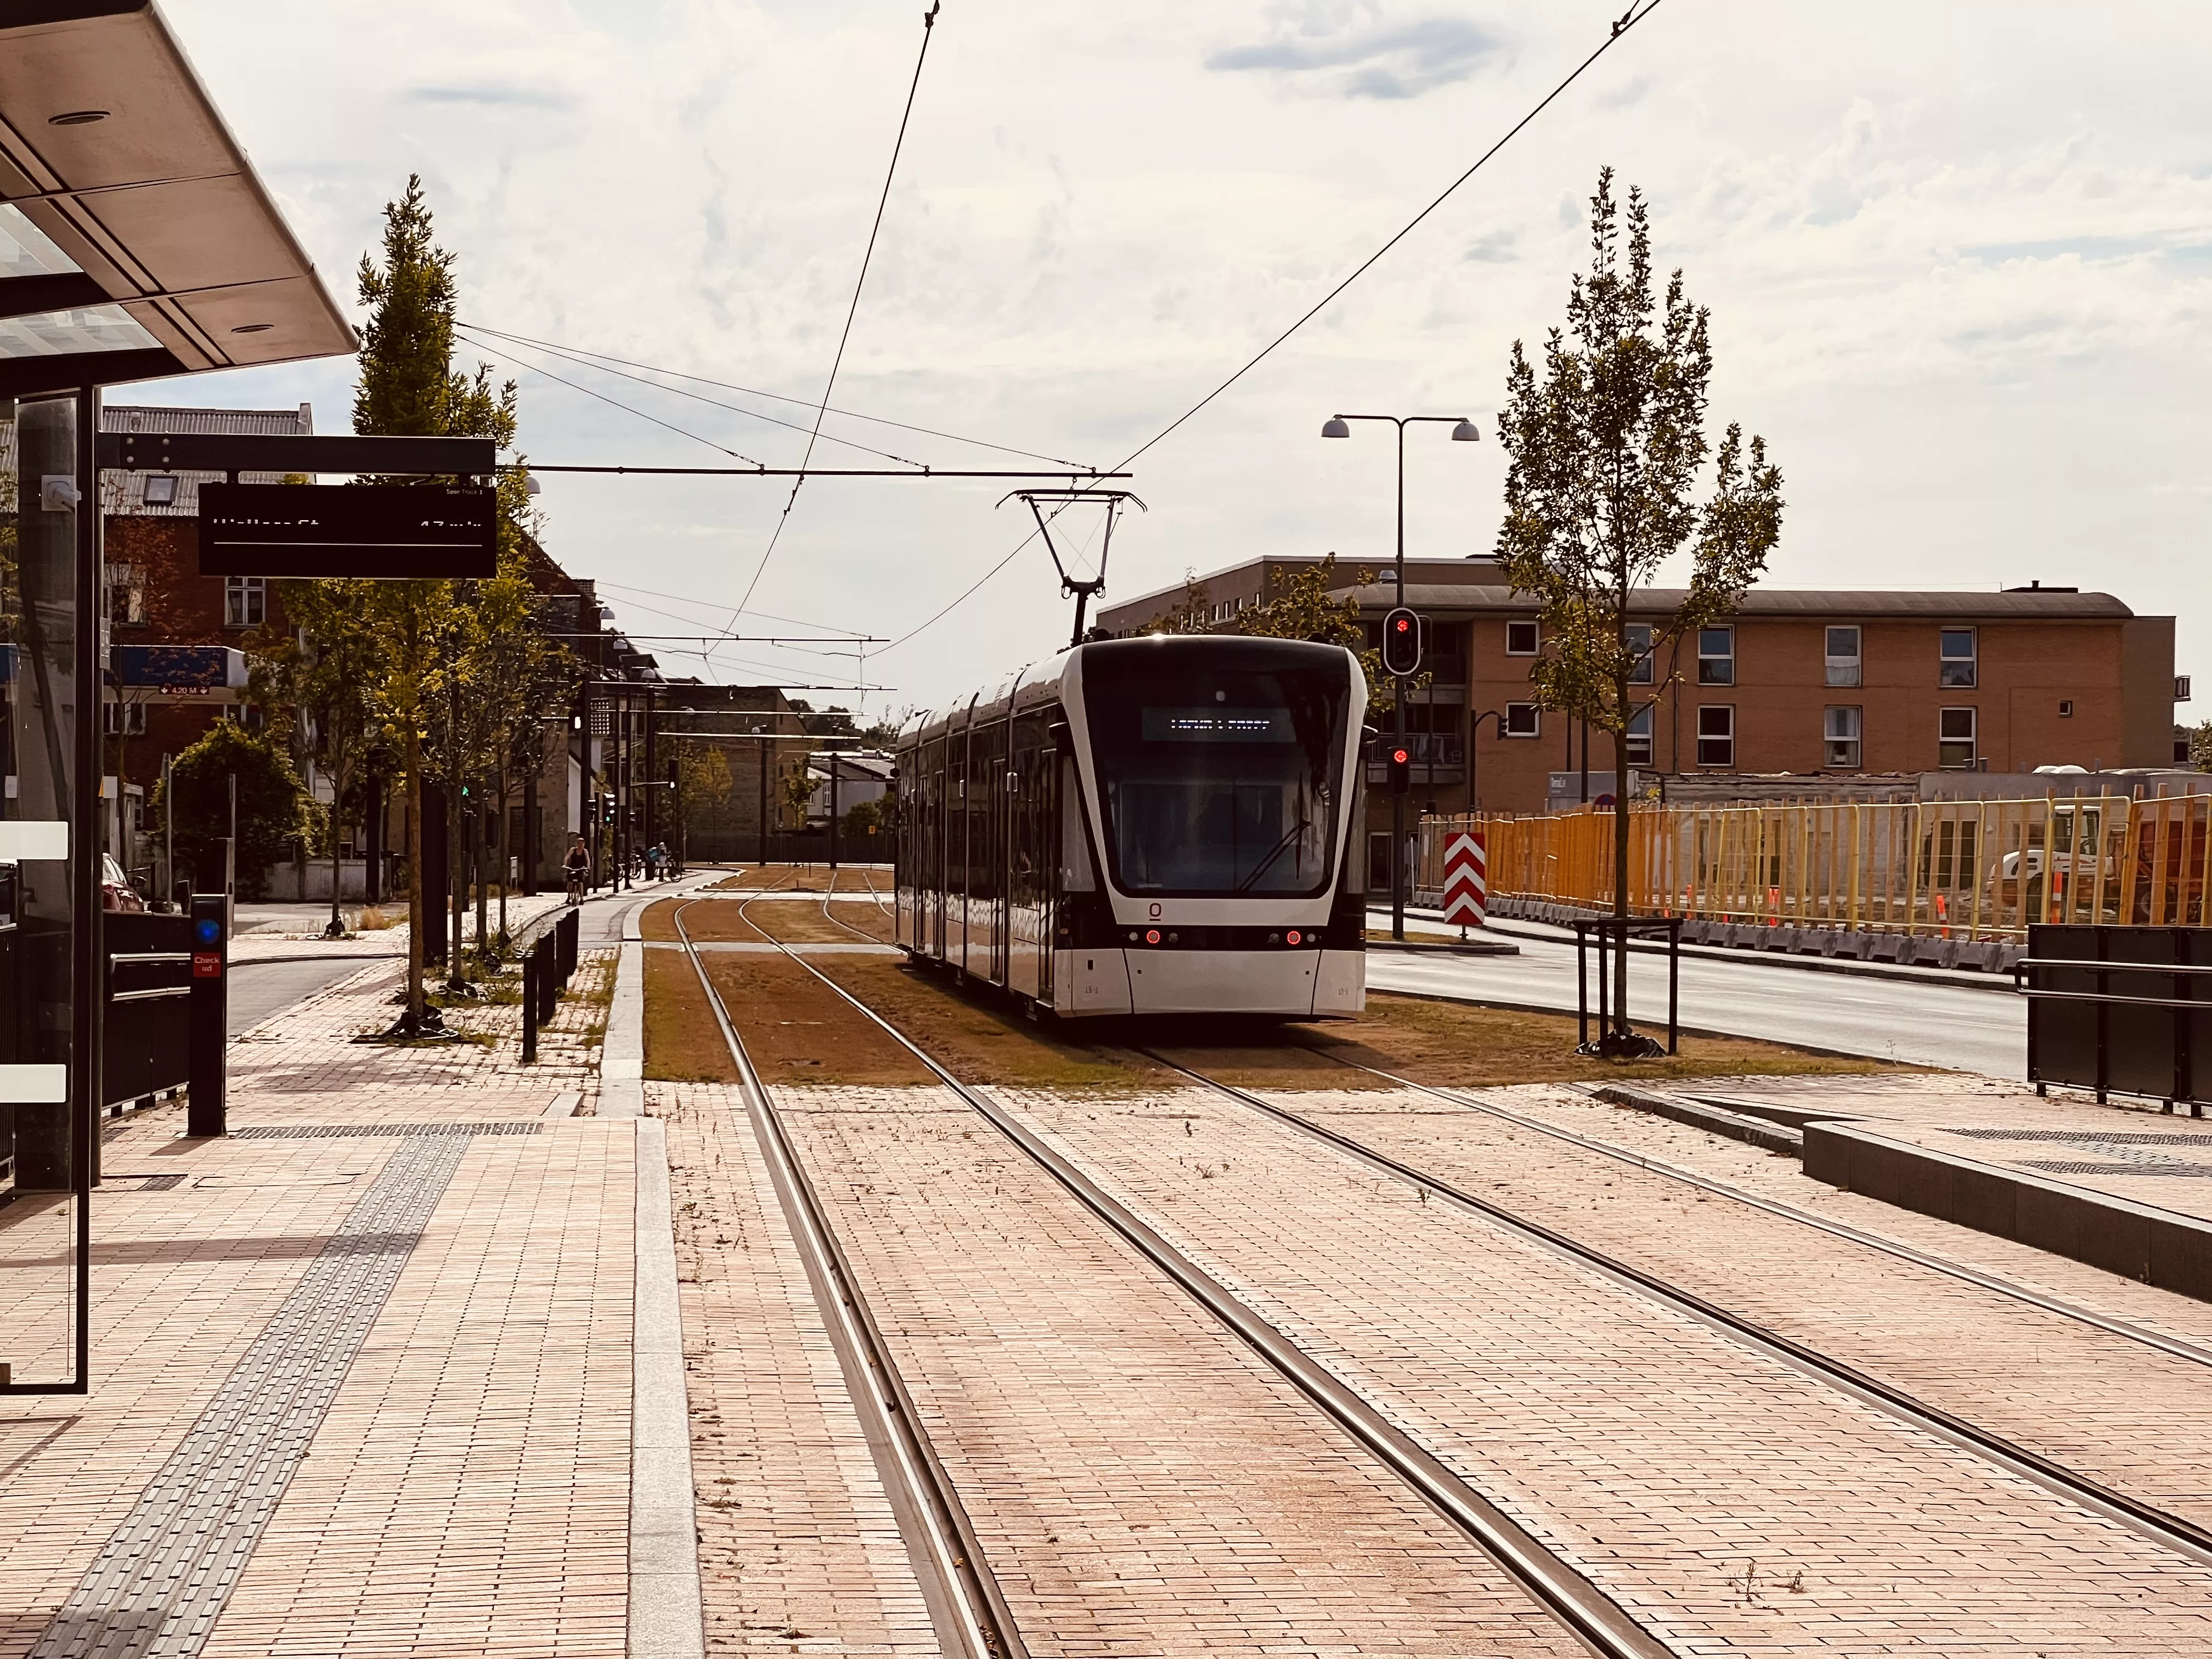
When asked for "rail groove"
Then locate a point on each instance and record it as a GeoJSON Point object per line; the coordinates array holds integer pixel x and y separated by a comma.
{"type": "Point", "coordinates": [1579, 1605]}
{"type": "Point", "coordinates": [966, 1606]}
{"type": "Point", "coordinates": [2146, 1520]}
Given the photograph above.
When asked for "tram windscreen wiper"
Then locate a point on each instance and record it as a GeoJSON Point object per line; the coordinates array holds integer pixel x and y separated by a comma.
{"type": "Point", "coordinates": [1275, 852]}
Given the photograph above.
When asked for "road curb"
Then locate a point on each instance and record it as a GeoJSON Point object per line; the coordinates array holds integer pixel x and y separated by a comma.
{"type": "Point", "coordinates": [667, 1618]}
{"type": "Point", "coordinates": [1715, 1120]}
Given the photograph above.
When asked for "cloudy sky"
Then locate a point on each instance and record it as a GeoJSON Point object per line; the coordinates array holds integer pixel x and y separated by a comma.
{"type": "Point", "coordinates": [1958, 258]}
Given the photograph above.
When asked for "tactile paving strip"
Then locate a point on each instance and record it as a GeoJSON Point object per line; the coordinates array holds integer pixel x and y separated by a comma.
{"type": "Point", "coordinates": [158, 1587]}
{"type": "Point", "coordinates": [2090, 1139]}
{"type": "Point", "coordinates": [405, 1131]}
{"type": "Point", "coordinates": [2163, 1167]}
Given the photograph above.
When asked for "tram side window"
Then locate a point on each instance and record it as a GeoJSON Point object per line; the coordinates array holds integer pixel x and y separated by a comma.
{"type": "Point", "coordinates": [1076, 874]}
{"type": "Point", "coordinates": [1031, 853]}
{"type": "Point", "coordinates": [987, 794]}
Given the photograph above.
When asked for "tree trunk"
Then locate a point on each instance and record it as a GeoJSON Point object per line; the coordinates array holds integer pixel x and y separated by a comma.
{"type": "Point", "coordinates": [476, 850]}
{"type": "Point", "coordinates": [1620, 877]}
{"type": "Point", "coordinates": [456, 882]}
{"type": "Point", "coordinates": [504, 939]}
{"type": "Point", "coordinates": [337, 928]}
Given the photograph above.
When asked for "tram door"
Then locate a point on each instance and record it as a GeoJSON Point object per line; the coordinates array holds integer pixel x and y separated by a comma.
{"type": "Point", "coordinates": [959, 753]}
{"type": "Point", "coordinates": [987, 866]}
{"type": "Point", "coordinates": [1030, 860]}
{"type": "Point", "coordinates": [929, 830]}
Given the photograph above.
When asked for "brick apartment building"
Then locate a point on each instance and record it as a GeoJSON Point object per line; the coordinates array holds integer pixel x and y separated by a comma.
{"type": "Point", "coordinates": [1817, 685]}
{"type": "Point", "coordinates": [762, 739]}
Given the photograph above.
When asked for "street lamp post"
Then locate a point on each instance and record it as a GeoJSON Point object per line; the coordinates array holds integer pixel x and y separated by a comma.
{"type": "Point", "coordinates": [1473, 771]}
{"type": "Point", "coordinates": [1464, 431]}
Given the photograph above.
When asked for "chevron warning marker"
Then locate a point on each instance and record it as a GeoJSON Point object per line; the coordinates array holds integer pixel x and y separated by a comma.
{"type": "Point", "coordinates": [1466, 881]}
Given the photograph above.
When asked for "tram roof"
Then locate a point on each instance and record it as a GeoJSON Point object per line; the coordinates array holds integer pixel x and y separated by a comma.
{"type": "Point", "coordinates": [135, 240]}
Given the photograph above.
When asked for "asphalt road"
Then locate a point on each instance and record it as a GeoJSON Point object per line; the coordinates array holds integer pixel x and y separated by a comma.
{"type": "Point", "coordinates": [1908, 1020]}
{"type": "Point", "coordinates": [258, 989]}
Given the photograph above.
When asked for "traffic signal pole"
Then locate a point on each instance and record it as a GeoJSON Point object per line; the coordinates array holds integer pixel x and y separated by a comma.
{"type": "Point", "coordinates": [1398, 711]}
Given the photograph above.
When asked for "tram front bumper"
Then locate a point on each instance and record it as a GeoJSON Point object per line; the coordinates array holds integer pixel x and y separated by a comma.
{"type": "Point", "coordinates": [1294, 983]}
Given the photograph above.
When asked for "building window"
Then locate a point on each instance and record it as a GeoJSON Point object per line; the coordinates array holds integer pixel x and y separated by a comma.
{"type": "Point", "coordinates": [1717, 735]}
{"type": "Point", "coordinates": [127, 718]}
{"type": "Point", "coordinates": [1843, 656]}
{"type": "Point", "coordinates": [245, 602]}
{"type": "Point", "coordinates": [2066, 708]}
{"type": "Point", "coordinates": [126, 593]}
{"type": "Point", "coordinates": [1955, 748]}
{"type": "Point", "coordinates": [1639, 737]}
{"type": "Point", "coordinates": [1717, 656]}
{"type": "Point", "coordinates": [1522, 719]}
{"type": "Point", "coordinates": [1521, 639]}
{"type": "Point", "coordinates": [1639, 641]}
{"type": "Point", "coordinates": [1840, 730]}
{"type": "Point", "coordinates": [1959, 659]}
{"type": "Point", "coordinates": [160, 489]}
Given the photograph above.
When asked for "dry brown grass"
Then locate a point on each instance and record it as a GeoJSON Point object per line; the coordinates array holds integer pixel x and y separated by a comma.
{"type": "Point", "coordinates": [804, 878]}
{"type": "Point", "coordinates": [795, 921]}
{"type": "Point", "coordinates": [1461, 1045]}
{"type": "Point", "coordinates": [683, 1044]}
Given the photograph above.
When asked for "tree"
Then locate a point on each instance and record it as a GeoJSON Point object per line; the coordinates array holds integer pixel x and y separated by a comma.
{"type": "Point", "coordinates": [1190, 614]}
{"type": "Point", "coordinates": [1305, 608]}
{"type": "Point", "coordinates": [797, 790]}
{"type": "Point", "coordinates": [274, 810]}
{"type": "Point", "coordinates": [1604, 454]}
{"type": "Point", "coordinates": [702, 779]}
{"type": "Point", "coordinates": [408, 388]}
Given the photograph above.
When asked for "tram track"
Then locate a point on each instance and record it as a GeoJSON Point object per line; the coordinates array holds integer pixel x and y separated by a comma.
{"type": "Point", "coordinates": [1599, 1622]}
{"type": "Point", "coordinates": [965, 1603]}
{"type": "Point", "coordinates": [2148, 1520]}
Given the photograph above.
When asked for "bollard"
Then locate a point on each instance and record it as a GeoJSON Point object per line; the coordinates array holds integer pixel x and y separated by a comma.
{"type": "Point", "coordinates": [548, 980]}
{"type": "Point", "coordinates": [211, 1014]}
{"type": "Point", "coordinates": [530, 1008]}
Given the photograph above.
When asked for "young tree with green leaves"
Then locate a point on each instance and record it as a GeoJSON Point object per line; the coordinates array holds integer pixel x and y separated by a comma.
{"type": "Point", "coordinates": [1305, 607]}
{"type": "Point", "coordinates": [408, 388]}
{"type": "Point", "coordinates": [1605, 453]}
{"type": "Point", "coordinates": [327, 669]}
{"type": "Point", "coordinates": [274, 810]}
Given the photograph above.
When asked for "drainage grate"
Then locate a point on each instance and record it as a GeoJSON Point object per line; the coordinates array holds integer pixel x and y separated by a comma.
{"type": "Point", "coordinates": [159, 1586]}
{"type": "Point", "coordinates": [2059, 1166]}
{"type": "Point", "coordinates": [402, 1131]}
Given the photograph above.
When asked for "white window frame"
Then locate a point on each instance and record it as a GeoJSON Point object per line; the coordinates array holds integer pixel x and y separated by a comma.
{"type": "Point", "coordinates": [1639, 641]}
{"type": "Point", "coordinates": [1946, 741]}
{"type": "Point", "coordinates": [1535, 636]}
{"type": "Point", "coordinates": [1843, 727]}
{"type": "Point", "coordinates": [244, 601]}
{"type": "Point", "coordinates": [1706, 734]}
{"type": "Point", "coordinates": [128, 718]}
{"type": "Point", "coordinates": [159, 490]}
{"type": "Point", "coordinates": [1972, 663]}
{"type": "Point", "coordinates": [1845, 668]}
{"type": "Point", "coordinates": [1637, 742]}
{"type": "Point", "coordinates": [1529, 714]}
{"type": "Point", "coordinates": [1726, 677]}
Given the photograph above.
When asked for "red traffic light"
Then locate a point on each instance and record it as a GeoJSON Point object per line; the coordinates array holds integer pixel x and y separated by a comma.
{"type": "Point", "coordinates": [1402, 642]}
{"type": "Point", "coordinates": [1401, 756]}
{"type": "Point", "coordinates": [1405, 624]}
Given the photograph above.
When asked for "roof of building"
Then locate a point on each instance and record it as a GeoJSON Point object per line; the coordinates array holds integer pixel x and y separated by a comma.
{"type": "Point", "coordinates": [135, 240]}
{"type": "Point", "coordinates": [125, 492]}
{"type": "Point", "coordinates": [2017, 605]}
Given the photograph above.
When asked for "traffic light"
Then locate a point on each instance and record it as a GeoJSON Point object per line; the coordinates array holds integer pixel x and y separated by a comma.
{"type": "Point", "coordinates": [1400, 755]}
{"type": "Point", "coordinates": [1402, 642]}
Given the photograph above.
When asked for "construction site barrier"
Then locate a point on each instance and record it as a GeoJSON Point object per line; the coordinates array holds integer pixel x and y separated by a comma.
{"type": "Point", "coordinates": [1964, 870]}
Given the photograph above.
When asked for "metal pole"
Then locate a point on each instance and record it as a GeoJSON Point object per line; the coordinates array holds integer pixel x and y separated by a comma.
{"type": "Point", "coordinates": [1398, 710]}
{"type": "Point", "coordinates": [88, 1013]}
{"type": "Point", "coordinates": [833, 817]}
{"type": "Point", "coordinates": [763, 798]}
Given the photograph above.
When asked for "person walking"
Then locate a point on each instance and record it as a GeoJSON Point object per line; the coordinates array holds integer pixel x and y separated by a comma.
{"type": "Point", "coordinates": [577, 868]}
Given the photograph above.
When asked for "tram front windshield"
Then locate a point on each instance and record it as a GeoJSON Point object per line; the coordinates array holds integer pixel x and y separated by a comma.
{"type": "Point", "coordinates": [1218, 781]}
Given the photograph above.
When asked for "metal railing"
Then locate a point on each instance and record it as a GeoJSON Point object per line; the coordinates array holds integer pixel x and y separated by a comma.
{"type": "Point", "coordinates": [1957, 869]}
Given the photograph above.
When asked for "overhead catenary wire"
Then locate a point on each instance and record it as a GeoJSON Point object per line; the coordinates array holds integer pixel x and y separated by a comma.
{"type": "Point", "coordinates": [867, 256]}
{"type": "Point", "coordinates": [1635, 14]}
{"type": "Point", "coordinates": [532, 368]}
{"type": "Point", "coordinates": [576, 353]}
{"type": "Point", "coordinates": [469, 334]}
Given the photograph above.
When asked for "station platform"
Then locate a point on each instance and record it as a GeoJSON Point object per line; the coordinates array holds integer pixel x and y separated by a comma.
{"type": "Point", "coordinates": [2122, 1187]}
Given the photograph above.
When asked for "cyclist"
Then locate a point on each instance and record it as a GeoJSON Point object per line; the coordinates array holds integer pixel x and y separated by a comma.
{"type": "Point", "coordinates": [577, 868]}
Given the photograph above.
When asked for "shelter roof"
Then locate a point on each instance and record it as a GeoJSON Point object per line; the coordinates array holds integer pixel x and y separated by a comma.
{"type": "Point", "coordinates": [135, 240]}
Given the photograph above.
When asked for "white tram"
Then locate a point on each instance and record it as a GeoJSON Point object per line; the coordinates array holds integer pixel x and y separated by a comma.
{"type": "Point", "coordinates": [1157, 825]}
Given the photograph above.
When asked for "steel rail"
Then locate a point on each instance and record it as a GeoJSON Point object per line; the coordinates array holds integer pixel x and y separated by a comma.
{"type": "Point", "coordinates": [2110, 1324]}
{"type": "Point", "coordinates": [966, 1606]}
{"type": "Point", "coordinates": [2145, 1519]}
{"type": "Point", "coordinates": [1590, 1614]}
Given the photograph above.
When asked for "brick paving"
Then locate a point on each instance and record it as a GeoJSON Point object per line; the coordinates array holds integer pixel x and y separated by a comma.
{"type": "Point", "coordinates": [1738, 1505]}
{"type": "Point", "coordinates": [1140, 1484]}
{"type": "Point", "coordinates": [468, 1488]}
{"type": "Point", "coordinates": [797, 1543]}
{"type": "Point", "coordinates": [2095, 1401]}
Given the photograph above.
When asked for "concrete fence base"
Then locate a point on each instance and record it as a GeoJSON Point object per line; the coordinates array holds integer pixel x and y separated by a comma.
{"type": "Point", "coordinates": [1844, 943]}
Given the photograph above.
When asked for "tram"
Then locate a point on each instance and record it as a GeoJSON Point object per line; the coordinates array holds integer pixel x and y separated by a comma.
{"type": "Point", "coordinates": [1146, 826]}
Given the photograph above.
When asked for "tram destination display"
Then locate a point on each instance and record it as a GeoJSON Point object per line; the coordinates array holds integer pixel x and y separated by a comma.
{"type": "Point", "coordinates": [392, 533]}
